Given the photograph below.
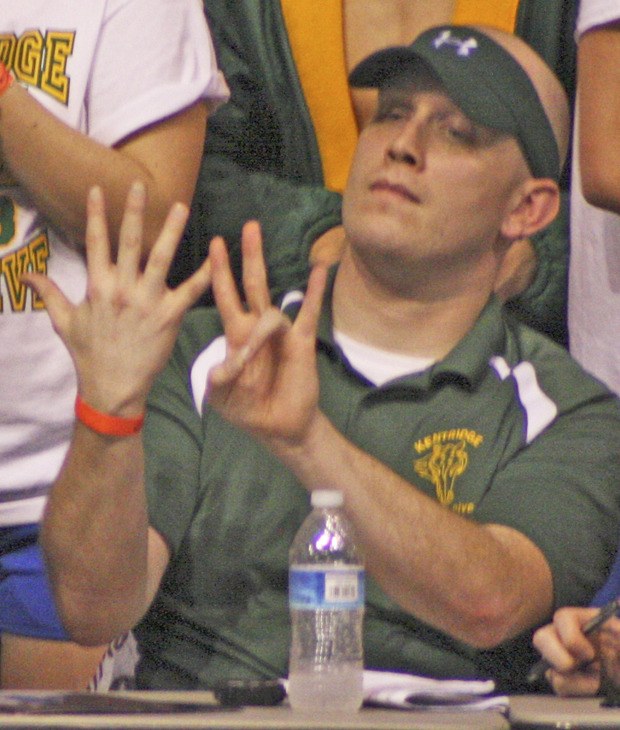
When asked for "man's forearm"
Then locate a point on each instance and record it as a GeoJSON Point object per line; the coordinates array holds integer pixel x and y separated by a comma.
{"type": "Point", "coordinates": [481, 584]}
{"type": "Point", "coordinates": [95, 533]}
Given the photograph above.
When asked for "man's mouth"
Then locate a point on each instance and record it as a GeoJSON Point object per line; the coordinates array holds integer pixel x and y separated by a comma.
{"type": "Point", "coordinates": [394, 188]}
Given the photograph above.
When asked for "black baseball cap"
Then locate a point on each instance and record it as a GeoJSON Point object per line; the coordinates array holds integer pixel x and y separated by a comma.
{"type": "Point", "coordinates": [483, 79]}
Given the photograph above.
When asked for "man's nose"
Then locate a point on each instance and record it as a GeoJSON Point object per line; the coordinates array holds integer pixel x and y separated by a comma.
{"type": "Point", "coordinates": [407, 145]}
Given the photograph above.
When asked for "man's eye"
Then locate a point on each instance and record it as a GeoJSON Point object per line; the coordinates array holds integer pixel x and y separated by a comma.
{"type": "Point", "coordinates": [391, 113]}
{"type": "Point", "coordinates": [459, 134]}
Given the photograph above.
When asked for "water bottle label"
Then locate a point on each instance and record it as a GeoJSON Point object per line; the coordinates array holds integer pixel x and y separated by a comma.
{"type": "Point", "coordinates": [316, 586]}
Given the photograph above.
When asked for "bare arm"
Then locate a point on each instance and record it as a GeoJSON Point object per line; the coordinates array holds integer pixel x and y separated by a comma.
{"type": "Point", "coordinates": [482, 584]}
{"type": "Point", "coordinates": [57, 165]}
{"type": "Point", "coordinates": [517, 270]}
{"type": "Point", "coordinates": [105, 562]}
{"type": "Point", "coordinates": [598, 90]}
{"type": "Point", "coordinates": [105, 568]}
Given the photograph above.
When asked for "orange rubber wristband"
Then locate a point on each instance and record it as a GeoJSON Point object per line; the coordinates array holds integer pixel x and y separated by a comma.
{"type": "Point", "coordinates": [105, 424]}
{"type": "Point", "coordinates": [6, 78]}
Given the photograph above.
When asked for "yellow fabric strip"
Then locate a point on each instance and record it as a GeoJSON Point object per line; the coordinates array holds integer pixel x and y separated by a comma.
{"type": "Point", "coordinates": [498, 13]}
{"type": "Point", "coordinates": [316, 35]}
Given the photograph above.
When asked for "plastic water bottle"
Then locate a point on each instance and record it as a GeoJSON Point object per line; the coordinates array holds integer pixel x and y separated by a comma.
{"type": "Point", "coordinates": [326, 599]}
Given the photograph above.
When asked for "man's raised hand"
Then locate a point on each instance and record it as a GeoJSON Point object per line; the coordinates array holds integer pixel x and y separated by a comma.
{"type": "Point", "coordinates": [268, 383]}
{"type": "Point", "coordinates": [122, 334]}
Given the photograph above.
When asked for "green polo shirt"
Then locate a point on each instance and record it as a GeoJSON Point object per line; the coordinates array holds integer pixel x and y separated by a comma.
{"type": "Point", "coordinates": [506, 429]}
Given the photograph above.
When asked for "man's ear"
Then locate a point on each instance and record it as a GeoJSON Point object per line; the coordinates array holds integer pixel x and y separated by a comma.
{"type": "Point", "coordinates": [535, 205]}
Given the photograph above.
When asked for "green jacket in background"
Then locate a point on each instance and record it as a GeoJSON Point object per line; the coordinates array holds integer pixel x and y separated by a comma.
{"type": "Point", "coordinates": [262, 161]}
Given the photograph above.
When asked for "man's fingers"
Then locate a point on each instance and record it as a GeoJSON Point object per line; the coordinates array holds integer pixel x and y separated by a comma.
{"type": "Point", "coordinates": [58, 306]}
{"type": "Point", "coordinates": [160, 258]}
{"type": "Point", "coordinates": [550, 645]}
{"type": "Point", "coordinates": [585, 682]}
{"type": "Point", "coordinates": [307, 320]}
{"type": "Point", "coordinates": [568, 624]}
{"type": "Point", "coordinates": [270, 323]}
{"type": "Point", "coordinates": [562, 642]}
{"type": "Point", "coordinates": [97, 244]}
{"type": "Point", "coordinates": [162, 253]}
{"type": "Point", "coordinates": [273, 322]}
{"type": "Point", "coordinates": [130, 236]}
{"type": "Point", "coordinates": [255, 285]}
{"type": "Point", "coordinates": [224, 287]}
{"type": "Point", "coordinates": [188, 292]}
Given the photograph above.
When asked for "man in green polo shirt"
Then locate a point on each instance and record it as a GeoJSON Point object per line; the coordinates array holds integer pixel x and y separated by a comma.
{"type": "Point", "coordinates": [478, 462]}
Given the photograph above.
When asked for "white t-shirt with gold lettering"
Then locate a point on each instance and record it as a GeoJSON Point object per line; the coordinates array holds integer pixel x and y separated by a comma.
{"type": "Point", "coordinates": [106, 68]}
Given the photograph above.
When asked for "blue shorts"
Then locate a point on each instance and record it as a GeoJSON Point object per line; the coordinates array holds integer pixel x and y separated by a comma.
{"type": "Point", "coordinates": [26, 603]}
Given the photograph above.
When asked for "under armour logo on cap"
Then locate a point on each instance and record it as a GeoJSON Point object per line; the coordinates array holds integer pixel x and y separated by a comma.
{"type": "Point", "coordinates": [464, 47]}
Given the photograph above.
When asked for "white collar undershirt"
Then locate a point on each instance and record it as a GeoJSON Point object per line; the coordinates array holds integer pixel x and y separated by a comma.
{"type": "Point", "coordinates": [377, 365]}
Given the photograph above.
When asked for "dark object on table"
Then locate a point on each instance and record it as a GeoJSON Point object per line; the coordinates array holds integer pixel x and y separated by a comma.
{"type": "Point", "coordinates": [94, 703]}
{"type": "Point", "coordinates": [238, 692]}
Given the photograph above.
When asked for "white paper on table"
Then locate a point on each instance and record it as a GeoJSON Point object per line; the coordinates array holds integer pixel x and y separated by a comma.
{"type": "Point", "coordinates": [410, 691]}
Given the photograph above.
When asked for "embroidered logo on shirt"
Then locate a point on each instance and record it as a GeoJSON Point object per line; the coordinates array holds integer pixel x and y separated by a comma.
{"type": "Point", "coordinates": [446, 459]}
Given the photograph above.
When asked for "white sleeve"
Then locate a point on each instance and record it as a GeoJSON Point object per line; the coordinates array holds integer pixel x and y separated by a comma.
{"type": "Point", "coordinates": [596, 12]}
{"type": "Point", "coordinates": [153, 59]}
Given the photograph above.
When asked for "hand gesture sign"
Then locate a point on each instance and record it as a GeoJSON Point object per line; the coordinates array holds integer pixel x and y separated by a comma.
{"type": "Point", "coordinates": [268, 384]}
{"type": "Point", "coordinates": [122, 334]}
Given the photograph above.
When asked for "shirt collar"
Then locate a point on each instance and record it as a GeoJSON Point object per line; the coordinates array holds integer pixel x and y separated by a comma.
{"type": "Point", "coordinates": [464, 366]}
